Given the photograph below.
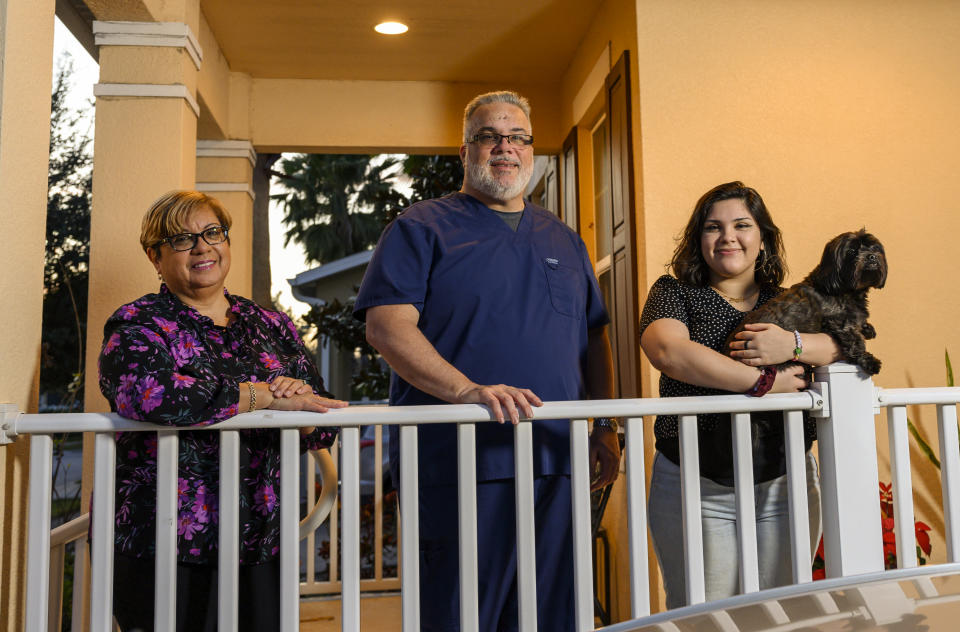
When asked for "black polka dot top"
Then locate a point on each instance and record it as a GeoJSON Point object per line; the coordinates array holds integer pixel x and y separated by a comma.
{"type": "Point", "coordinates": [710, 319]}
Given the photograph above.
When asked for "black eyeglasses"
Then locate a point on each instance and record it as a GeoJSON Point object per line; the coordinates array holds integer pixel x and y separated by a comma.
{"type": "Point", "coordinates": [492, 139]}
{"type": "Point", "coordinates": [188, 241]}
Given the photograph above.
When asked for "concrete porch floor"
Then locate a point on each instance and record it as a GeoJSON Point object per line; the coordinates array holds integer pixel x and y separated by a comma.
{"type": "Point", "coordinates": [380, 612]}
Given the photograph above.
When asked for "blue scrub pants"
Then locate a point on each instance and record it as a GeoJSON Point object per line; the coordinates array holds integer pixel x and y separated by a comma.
{"type": "Point", "coordinates": [497, 556]}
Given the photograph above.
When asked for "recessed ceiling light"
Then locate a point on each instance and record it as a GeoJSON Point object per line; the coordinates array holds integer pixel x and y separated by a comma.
{"type": "Point", "coordinates": [391, 28]}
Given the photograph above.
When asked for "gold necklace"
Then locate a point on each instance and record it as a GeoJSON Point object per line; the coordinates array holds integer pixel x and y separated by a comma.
{"type": "Point", "coordinates": [742, 299]}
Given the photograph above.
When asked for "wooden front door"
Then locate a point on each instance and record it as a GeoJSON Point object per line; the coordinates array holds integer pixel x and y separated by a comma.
{"type": "Point", "coordinates": [624, 310]}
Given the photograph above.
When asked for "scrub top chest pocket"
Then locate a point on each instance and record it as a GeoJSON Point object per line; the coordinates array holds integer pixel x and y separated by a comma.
{"type": "Point", "coordinates": [566, 285]}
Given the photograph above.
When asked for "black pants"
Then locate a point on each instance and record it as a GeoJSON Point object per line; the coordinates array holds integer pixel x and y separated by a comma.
{"type": "Point", "coordinates": [133, 587]}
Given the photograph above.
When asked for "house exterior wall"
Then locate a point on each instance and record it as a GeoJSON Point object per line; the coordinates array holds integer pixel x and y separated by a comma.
{"type": "Point", "coordinates": [319, 116]}
{"type": "Point", "coordinates": [842, 115]}
{"type": "Point", "coordinates": [213, 88]}
{"type": "Point", "coordinates": [26, 60]}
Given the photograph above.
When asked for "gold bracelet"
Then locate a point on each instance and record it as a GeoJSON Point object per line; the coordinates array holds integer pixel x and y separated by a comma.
{"type": "Point", "coordinates": [253, 398]}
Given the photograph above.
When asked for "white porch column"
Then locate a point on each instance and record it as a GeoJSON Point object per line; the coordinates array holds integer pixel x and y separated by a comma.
{"type": "Point", "coordinates": [848, 473]}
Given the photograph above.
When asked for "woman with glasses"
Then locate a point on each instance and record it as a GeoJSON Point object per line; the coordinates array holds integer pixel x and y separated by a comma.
{"type": "Point", "coordinates": [193, 354]}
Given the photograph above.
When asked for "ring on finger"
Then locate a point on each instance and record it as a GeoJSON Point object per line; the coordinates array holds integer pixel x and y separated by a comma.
{"type": "Point", "coordinates": [746, 344]}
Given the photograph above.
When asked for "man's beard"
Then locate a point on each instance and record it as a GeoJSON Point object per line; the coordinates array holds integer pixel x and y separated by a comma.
{"type": "Point", "coordinates": [482, 179]}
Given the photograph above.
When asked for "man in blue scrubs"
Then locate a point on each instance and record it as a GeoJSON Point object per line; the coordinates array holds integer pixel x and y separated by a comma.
{"type": "Point", "coordinates": [481, 297]}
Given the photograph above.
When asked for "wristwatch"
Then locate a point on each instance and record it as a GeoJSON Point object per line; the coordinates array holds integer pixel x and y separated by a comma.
{"type": "Point", "coordinates": [605, 422]}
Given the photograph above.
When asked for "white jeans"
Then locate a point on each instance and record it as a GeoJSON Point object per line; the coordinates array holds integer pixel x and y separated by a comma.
{"type": "Point", "coordinates": [720, 559]}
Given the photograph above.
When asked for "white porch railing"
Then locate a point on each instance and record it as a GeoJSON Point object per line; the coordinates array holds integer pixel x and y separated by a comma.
{"type": "Point", "coordinates": [843, 402]}
{"type": "Point", "coordinates": [382, 542]}
{"type": "Point", "coordinates": [75, 532]}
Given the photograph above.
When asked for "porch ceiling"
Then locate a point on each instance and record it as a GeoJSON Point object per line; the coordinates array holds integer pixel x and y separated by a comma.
{"type": "Point", "coordinates": [449, 40]}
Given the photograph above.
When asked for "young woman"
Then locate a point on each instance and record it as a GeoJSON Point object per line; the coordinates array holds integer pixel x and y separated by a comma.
{"type": "Point", "coordinates": [728, 262]}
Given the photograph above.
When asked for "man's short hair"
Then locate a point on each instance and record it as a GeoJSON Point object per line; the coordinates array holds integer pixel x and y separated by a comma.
{"type": "Point", "coordinates": [501, 96]}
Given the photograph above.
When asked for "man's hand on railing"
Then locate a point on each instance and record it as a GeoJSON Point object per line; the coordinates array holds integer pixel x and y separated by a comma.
{"type": "Point", "coordinates": [604, 457]}
{"type": "Point", "coordinates": [500, 397]}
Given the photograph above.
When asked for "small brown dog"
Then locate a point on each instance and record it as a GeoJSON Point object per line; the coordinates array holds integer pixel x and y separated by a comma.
{"type": "Point", "coordinates": [833, 298]}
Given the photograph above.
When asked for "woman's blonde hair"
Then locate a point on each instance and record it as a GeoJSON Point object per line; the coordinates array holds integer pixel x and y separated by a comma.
{"type": "Point", "coordinates": [167, 216]}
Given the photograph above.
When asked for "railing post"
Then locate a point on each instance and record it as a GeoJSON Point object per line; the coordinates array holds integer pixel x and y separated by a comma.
{"type": "Point", "coordinates": [848, 473]}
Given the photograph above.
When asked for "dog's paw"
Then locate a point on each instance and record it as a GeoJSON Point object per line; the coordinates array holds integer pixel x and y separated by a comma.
{"type": "Point", "coordinates": [868, 331]}
{"type": "Point", "coordinates": [870, 364]}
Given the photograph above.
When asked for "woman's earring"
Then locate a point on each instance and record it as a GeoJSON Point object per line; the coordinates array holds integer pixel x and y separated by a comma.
{"type": "Point", "coordinates": [159, 276]}
{"type": "Point", "coordinates": [764, 263]}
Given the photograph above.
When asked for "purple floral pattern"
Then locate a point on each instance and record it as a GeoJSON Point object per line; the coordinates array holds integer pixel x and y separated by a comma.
{"type": "Point", "coordinates": [164, 363]}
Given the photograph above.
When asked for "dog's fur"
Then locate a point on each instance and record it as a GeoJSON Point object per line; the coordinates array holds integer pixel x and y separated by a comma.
{"type": "Point", "coordinates": [833, 298]}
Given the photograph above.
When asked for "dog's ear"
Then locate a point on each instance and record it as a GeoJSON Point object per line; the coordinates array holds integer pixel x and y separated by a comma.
{"type": "Point", "coordinates": [827, 277]}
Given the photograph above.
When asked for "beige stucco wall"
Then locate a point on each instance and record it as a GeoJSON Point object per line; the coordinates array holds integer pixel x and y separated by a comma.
{"type": "Point", "coordinates": [213, 87]}
{"type": "Point", "coordinates": [842, 115]}
{"type": "Point", "coordinates": [374, 116]}
{"type": "Point", "coordinates": [187, 11]}
{"type": "Point", "coordinates": [26, 59]}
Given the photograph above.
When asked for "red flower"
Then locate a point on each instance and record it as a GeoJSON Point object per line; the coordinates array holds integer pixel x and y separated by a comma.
{"type": "Point", "coordinates": [889, 537]}
{"type": "Point", "coordinates": [923, 540]}
{"type": "Point", "coordinates": [819, 566]}
{"type": "Point", "coordinates": [886, 499]}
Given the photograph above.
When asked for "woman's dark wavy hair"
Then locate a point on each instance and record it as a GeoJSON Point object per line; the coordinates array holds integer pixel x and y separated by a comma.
{"type": "Point", "coordinates": [688, 265]}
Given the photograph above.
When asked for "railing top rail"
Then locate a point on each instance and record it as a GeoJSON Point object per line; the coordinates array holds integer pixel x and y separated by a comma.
{"type": "Point", "coordinates": [792, 591]}
{"type": "Point", "coordinates": [444, 413]}
{"type": "Point", "coordinates": [70, 531]}
{"type": "Point", "coordinates": [910, 396]}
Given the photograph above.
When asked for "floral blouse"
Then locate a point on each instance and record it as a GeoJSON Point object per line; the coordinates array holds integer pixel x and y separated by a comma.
{"type": "Point", "coordinates": [164, 363]}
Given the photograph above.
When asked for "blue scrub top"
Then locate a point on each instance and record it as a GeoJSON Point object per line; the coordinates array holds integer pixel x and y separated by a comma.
{"type": "Point", "coordinates": [501, 306]}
